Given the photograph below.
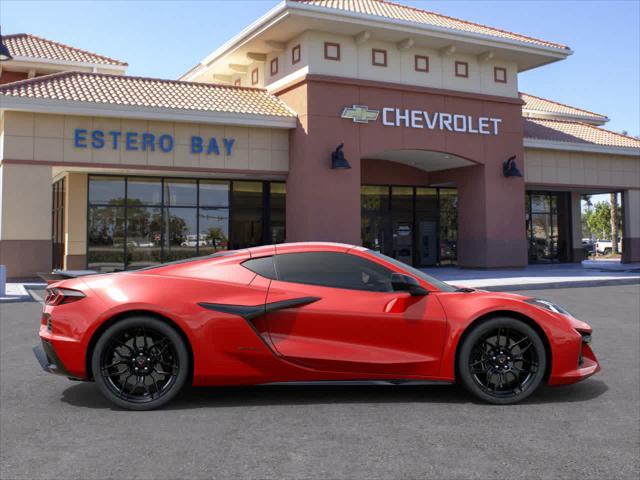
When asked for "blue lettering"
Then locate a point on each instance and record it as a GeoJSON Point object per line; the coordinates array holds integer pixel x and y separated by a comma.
{"type": "Point", "coordinates": [228, 144]}
{"type": "Point", "coordinates": [213, 146]}
{"type": "Point", "coordinates": [148, 140]}
{"type": "Point", "coordinates": [165, 142]}
{"type": "Point", "coordinates": [97, 137]}
{"type": "Point", "coordinates": [196, 144]}
{"type": "Point", "coordinates": [115, 136]}
{"type": "Point", "coordinates": [132, 141]}
{"type": "Point", "coordinates": [80, 137]}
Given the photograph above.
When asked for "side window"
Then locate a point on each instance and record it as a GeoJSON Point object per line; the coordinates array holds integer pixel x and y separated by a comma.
{"type": "Point", "coordinates": [333, 269]}
{"type": "Point", "coordinates": [262, 266]}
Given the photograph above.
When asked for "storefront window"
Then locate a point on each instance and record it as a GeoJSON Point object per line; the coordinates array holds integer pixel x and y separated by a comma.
{"type": "Point", "coordinates": [214, 230]}
{"type": "Point", "coordinates": [144, 191]}
{"type": "Point", "coordinates": [547, 218]}
{"type": "Point", "coordinates": [448, 229]}
{"type": "Point", "coordinates": [106, 190]}
{"type": "Point", "coordinates": [181, 193]}
{"type": "Point", "coordinates": [427, 226]}
{"type": "Point", "coordinates": [214, 193]}
{"type": "Point", "coordinates": [246, 218]}
{"type": "Point", "coordinates": [277, 216]}
{"type": "Point", "coordinates": [416, 225]}
{"type": "Point", "coordinates": [135, 222]}
{"type": "Point", "coordinates": [375, 213]}
{"type": "Point", "coordinates": [106, 238]}
{"type": "Point", "coordinates": [144, 236]}
{"type": "Point", "coordinates": [180, 233]}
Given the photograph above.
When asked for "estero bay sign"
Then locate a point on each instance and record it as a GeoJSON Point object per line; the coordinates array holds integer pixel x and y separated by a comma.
{"type": "Point", "coordinates": [136, 141]}
{"type": "Point", "coordinates": [403, 117]}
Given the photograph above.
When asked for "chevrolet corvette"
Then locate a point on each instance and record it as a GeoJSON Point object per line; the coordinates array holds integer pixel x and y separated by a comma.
{"type": "Point", "coordinates": [302, 312]}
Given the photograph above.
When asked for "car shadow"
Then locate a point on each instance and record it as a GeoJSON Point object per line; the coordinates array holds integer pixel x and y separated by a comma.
{"type": "Point", "coordinates": [87, 395]}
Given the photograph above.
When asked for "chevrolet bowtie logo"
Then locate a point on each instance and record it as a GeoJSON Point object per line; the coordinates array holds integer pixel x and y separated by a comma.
{"type": "Point", "coordinates": [360, 114]}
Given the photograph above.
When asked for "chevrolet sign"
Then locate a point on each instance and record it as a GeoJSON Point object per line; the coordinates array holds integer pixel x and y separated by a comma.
{"type": "Point", "coordinates": [360, 114]}
{"type": "Point", "coordinates": [402, 117]}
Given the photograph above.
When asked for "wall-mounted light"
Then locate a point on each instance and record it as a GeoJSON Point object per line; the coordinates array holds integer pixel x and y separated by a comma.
{"type": "Point", "coordinates": [338, 162]}
{"type": "Point", "coordinates": [510, 169]}
{"type": "Point", "coordinates": [4, 51]}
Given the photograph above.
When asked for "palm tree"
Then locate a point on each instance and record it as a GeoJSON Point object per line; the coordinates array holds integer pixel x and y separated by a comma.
{"type": "Point", "coordinates": [614, 223]}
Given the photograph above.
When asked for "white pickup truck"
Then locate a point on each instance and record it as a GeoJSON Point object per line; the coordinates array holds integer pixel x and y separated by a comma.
{"type": "Point", "coordinates": [605, 247]}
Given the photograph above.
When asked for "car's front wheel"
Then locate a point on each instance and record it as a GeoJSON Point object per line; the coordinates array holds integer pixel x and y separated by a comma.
{"type": "Point", "coordinates": [140, 363]}
{"type": "Point", "coordinates": [502, 360]}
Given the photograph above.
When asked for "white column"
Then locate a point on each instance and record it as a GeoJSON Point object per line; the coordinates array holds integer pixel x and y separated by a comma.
{"type": "Point", "coordinates": [631, 239]}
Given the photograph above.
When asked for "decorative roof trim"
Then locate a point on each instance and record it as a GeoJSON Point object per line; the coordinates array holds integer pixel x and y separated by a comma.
{"type": "Point", "coordinates": [582, 110]}
{"type": "Point", "coordinates": [286, 7]}
{"type": "Point", "coordinates": [93, 109]}
{"type": "Point", "coordinates": [580, 147]}
{"type": "Point", "coordinates": [533, 40]}
{"type": "Point", "coordinates": [48, 61]}
{"type": "Point", "coordinates": [546, 115]}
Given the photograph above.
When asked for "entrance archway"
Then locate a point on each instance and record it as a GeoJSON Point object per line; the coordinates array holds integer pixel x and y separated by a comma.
{"type": "Point", "coordinates": [407, 214]}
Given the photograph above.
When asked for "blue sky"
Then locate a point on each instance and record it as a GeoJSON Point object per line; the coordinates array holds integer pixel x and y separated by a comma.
{"type": "Point", "coordinates": [166, 38]}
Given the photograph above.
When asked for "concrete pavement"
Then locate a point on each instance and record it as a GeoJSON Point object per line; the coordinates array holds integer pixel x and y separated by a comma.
{"type": "Point", "coordinates": [53, 428]}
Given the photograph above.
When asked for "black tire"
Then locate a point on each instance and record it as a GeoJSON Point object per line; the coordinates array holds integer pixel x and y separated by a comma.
{"type": "Point", "coordinates": [607, 251]}
{"type": "Point", "coordinates": [502, 361]}
{"type": "Point", "coordinates": [147, 349]}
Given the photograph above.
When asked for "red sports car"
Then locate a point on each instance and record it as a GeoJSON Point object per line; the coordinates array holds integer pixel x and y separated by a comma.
{"type": "Point", "coordinates": [305, 312]}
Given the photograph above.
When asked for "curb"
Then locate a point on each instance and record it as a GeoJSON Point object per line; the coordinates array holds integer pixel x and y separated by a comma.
{"type": "Point", "coordinates": [551, 285]}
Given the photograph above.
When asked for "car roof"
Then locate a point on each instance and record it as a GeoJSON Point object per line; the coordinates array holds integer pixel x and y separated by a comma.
{"type": "Point", "coordinates": [292, 247]}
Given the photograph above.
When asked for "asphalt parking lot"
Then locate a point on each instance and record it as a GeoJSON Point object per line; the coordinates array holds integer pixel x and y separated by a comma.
{"type": "Point", "coordinates": [53, 428]}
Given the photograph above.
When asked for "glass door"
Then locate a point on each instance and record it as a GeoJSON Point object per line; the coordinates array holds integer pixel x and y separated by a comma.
{"type": "Point", "coordinates": [548, 227]}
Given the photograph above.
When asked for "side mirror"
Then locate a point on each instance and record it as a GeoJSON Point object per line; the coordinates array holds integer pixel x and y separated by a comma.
{"type": "Point", "coordinates": [406, 283]}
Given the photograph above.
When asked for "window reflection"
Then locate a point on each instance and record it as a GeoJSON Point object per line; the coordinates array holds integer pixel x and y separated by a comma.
{"type": "Point", "coordinates": [139, 221]}
{"type": "Point", "coordinates": [105, 240]}
{"type": "Point", "coordinates": [180, 233]}
{"type": "Point", "coordinates": [144, 235]}
{"type": "Point", "coordinates": [181, 193]}
{"type": "Point", "coordinates": [214, 230]}
{"type": "Point", "coordinates": [214, 193]}
{"type": "Point", "coordinates": [144, 191]}
{"type": "Point", "coordinates": [106, 190]}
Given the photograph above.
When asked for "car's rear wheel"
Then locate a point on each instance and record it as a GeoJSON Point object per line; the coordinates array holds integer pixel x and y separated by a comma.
{"type": "Point", "coordinates": [502, 360]}
{"type": "Point", "coordinates": [140, 363]}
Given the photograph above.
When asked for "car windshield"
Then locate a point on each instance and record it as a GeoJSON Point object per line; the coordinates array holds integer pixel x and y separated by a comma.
{"type": "Point", "coordinates": [439, 284]}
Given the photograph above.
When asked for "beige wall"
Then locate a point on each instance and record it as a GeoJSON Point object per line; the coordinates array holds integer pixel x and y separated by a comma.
{"type": "Point", "coordinates": [25, 202]}
{"type": "Point", "coordinates": [50, 138]}
{"type": "Point", "coordinates": [554, 167]}
{"type": "Point", "coordinates": [75, 220]}
{"type": "Point", "coordinates": [355, 62]}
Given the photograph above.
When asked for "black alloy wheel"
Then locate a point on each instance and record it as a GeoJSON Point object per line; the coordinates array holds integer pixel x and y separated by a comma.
{"type": "Point", "coordinates": [140, 363]}
{"type": "Point", "coordinates": [502, 361]}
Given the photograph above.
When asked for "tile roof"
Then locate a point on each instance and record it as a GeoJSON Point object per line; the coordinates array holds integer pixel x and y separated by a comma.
{"type": "Point", "coordinates": [545, 105]}
{"type": "Point", "coordinates": [575, 132]}
{"type": "Point", "coordinates": [108, 89]}
{"type": "Point", "coordinates": [395, 11]}
{"type": "Point", "coordinates": [31, 46]}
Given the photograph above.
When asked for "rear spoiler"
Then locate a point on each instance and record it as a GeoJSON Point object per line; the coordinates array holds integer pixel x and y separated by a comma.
{"type": "Point", "coordinates": [57, 275]}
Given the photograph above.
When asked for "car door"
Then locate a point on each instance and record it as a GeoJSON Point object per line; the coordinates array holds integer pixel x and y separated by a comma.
{"type": "Point", "coordinates": [351, 320]}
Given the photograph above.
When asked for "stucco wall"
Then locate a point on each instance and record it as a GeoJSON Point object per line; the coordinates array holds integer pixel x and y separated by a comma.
{"type": "Point", "coordinates": [50, 138]}
{"type": "Point", "coordinates": [554, 167]}
{"type": "Point", "coordinates": [356, 62]}
{"type": "Point", "coordinates": [324, 204]}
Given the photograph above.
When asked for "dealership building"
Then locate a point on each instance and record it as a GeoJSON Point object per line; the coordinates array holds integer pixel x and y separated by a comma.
{"type": "Point", "coordinates": [365, 122]}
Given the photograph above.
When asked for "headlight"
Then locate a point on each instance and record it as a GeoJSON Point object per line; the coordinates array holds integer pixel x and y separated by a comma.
{"type": "Point", "coordinates": [547, 305]}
